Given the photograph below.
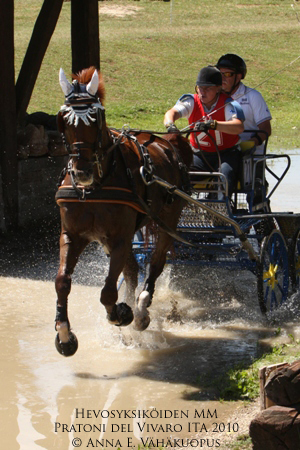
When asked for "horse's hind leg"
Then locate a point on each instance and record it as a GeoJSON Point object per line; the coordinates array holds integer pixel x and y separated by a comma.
{"type": "Point", "coordinates": [70, 249]}
{"type": "Point", "coordinates": [158, 260]}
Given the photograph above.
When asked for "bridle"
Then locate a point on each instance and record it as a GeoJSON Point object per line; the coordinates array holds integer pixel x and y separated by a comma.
{"type": "Point", "coordinates": [82, 107]}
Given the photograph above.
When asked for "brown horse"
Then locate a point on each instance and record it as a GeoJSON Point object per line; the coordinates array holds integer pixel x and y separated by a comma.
{"type": "Point", "coordinates": [103, 198]}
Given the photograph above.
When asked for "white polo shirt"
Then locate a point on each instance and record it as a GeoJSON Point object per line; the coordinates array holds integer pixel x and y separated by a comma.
{"type": "Point", "coordinates": [255, 110]}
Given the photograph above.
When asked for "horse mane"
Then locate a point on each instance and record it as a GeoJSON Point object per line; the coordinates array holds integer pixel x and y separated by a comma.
{"type": "Point", "coordinates": [85, 76]}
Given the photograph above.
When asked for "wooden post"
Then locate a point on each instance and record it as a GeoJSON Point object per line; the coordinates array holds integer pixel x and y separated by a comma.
{"type": "Point", "coordinates": [264, 374]}
{"type": "Point", "coordinates": [85, 34]}
{"type": "Point", "coordinates": [8, 127]}
{"type": "Point", "coordinates": [41, 35]}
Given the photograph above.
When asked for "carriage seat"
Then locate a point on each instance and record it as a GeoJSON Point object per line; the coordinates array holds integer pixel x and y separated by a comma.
{"type": "Point", "coordinates": [201, 183]}
{"type": "Point", "coordinates": [251, 178]}
{"type": "Point", "coordinates": [245, 175]}
{"type": "Point", "coordinates": [209, 185]}
{"type": "Point", "coordinates": [251, 166]}
{"type": "Point", "coordinates": [244, 184]}
{"type": "Point", "coordinates": [246, 171]}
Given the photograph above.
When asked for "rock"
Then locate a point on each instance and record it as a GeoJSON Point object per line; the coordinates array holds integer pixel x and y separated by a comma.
{"type": "Point", "coordinates": [283, 385]}
{"type": "Point", "coordinates": [276, 428]}
{"type": "Point", "coordinates": [33, 138]}
{"type": "Point", "coordinates": [23, 151]}
{"type": "Point", "coordinates": [41, 118]}
{"type": "Point", "coordinates": [55, 145]}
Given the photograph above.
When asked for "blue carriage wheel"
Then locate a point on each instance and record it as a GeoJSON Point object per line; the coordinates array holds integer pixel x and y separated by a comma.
{"type": "Point", "coordinates": [295, 261]}
{"type": "Point", "coordinates": [273, 273]}
{"type": "Point", "coordinates": [141, 256]}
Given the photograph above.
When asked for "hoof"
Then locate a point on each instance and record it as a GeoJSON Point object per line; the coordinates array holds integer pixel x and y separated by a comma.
{"type": "Point", "coordinates": [67, 348]}
{"type": "Point", "coordinates": [141, 314]}
{"type": "Point", "coordinates": [121, 315]}
{"type": "Point", "coordinates": [141, 323]}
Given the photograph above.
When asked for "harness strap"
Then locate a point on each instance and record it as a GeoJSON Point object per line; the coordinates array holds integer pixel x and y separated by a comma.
{"type": "Point", "coordinates": [143, 204]}
{"type": "Point", "coordinates": [164, 226]}
{"type": "Point", "coordinates": [80, 192]}
{"type": "Point", "coordinates": [142, 149]}
{"type": "Point", "coordinates": [106, 194]}
{"type": "Point", "coordinates": [111, 194]}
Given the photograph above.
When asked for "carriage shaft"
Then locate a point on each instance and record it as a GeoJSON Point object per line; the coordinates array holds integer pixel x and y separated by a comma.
{"type": "Point", "coordinates": [240, 234]}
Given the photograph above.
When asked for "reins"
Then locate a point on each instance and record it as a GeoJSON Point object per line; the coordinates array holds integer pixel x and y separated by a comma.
{"type": "Point", "coordinates": [116, 195]}
{"type": "Point", "coordinates": [82, 108]}
{"type": "Point", "coordinates": [181, 132]}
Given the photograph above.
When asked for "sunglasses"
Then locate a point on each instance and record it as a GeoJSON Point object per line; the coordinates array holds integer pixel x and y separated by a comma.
{"type": "Point", "coordinates": [228, 74]}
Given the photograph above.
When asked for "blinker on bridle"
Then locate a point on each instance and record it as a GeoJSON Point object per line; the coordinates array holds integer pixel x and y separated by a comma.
{"type": "Point", "coordinates": [82, 106]}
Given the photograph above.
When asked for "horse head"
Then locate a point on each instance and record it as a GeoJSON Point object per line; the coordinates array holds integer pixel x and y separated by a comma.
{"type": "Point", "coordinates": [81, 121]}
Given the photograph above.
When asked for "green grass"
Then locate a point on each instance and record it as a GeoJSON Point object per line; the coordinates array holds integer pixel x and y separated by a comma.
{"type": "Point", "coordinates": [150, 58]}
{"type": "Point", "coordinates": [243, 442]}
{"type": "Point", "coordinates": [242, 381]}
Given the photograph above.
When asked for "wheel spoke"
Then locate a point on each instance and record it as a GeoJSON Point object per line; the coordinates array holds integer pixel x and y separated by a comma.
{"type": "Point", "coordinates": [273, 301]}
{"type": "Point", "coordinates": [295, 261]}
{"type": "Point", "coordinates": [266, 296]}
{"type": "Point", "coordinates": [297, 265]}
{"type": "Point", "coordinates": [271, 251]}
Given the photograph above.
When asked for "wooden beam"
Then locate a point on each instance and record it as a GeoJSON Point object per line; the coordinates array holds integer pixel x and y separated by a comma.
{"type": "Point", "coordinates": [8, 123]}
{"type": "Point", "coordinates": [41, 35]}
{"type": "Point", "coordinates": [85, 34]}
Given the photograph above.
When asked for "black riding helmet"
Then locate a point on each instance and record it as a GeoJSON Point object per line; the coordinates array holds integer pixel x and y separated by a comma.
{"type": "Point", "coordinates": [209, 76]}
{"type": "Point", "coordinates": [234, 62]}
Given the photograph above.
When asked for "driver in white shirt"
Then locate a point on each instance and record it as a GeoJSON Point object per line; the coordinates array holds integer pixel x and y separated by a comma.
{"type": "Point", "coordinates": [257, 115]}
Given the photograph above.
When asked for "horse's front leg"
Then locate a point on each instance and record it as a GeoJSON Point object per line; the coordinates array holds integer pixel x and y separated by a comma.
{"type": "Point", "coordinates": [70, 248]}
{"type": "Point", "coordinates": [144, 300]}
{"type": "Point", "coordinates": [130, 272]}
{"type": "Point", "coordinates": [118, 314]}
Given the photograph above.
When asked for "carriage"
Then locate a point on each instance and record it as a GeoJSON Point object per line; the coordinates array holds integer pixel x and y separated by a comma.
{"type": "Point", "coordinates": [240, 232]}
{"type": "Point", "coordinates": [119, 182]}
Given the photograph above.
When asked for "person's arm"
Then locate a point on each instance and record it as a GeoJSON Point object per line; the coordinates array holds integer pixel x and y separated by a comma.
{"type": "Point", "coordinates": [234, 119]}
{"type": "Point", "coordinates": [261, 116]}
{"type": "Point", "coordinates": [170, 117]}
{"type": "Point", "coordinates": [233, 126]}
{"type": "Point", "coordinates": [183, 108]}
{"type": "Point", "coordinates": [264, 126]}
